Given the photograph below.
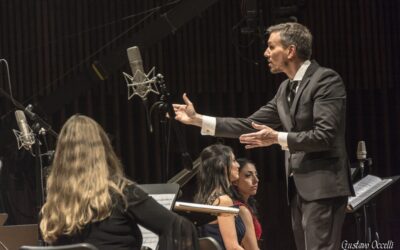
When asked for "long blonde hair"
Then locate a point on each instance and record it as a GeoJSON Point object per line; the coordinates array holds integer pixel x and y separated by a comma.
{"type": "Point", "coordinates": [84, 171]}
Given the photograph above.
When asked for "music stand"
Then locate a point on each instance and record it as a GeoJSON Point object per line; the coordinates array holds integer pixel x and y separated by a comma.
{"type": "Point", "coordinates": [157, 189]}
{"type": "Point", "coordinates": [185, 175]}
{"type": "Point", "coordinates": [365, 193]}
{"type": "Point", "coordinates": [165, 194]}
{"type": "Point", "coordinates": [366, 189]}
{"type": "Point", "coordinates": [353, 173]}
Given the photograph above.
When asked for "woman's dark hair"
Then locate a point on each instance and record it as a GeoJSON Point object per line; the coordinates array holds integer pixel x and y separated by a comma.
{"type": "Point", "coordinates": [213, 176]}
{"type": "Point", "coordinates": [251, 202]}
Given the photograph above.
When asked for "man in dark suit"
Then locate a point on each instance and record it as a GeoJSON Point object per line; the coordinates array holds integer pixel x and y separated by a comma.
{"type": "Point", "coordinates": [309, 109]}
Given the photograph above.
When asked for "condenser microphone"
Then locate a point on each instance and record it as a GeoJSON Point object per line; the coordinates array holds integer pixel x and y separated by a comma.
{"type": "Point", "coordinates": [361, 151]}
{"type": "Point", "coordinates": [25, 136]}
{"type": "Point", "coordinates": [139, 77]}
{"type": "Point", "coordinates": [361, 155]}
{"type": "Point", "coordinates": [141, 83]}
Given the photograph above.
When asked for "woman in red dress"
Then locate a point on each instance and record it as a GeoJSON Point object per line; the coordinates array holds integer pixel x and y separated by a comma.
{"type": "Point", "coordinates": [245, 189]}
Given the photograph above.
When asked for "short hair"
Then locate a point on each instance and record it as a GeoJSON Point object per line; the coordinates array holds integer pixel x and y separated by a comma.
{"type": "Point", "coordinates": [294, 34]}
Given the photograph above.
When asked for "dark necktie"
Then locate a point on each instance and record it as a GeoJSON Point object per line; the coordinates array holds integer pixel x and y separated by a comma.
{"type": "Point", "coordinates": [292, 91]}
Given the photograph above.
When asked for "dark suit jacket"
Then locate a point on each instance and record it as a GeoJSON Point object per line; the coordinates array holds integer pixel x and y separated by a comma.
{"type": "Point", "coordinates": [316, 132]}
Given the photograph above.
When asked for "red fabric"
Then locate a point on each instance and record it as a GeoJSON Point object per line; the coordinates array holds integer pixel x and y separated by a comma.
{"type": "Point", "coordinates": [256, 222]}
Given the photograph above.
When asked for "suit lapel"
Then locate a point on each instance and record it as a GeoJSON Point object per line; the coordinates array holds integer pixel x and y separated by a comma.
{"type": "Point", "coordinates": [284, 108]}
{"type": "Point", "coordinates": [303, 84]}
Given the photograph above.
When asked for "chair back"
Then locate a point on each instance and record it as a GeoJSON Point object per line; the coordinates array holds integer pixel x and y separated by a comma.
{"type": "Point", "coordinates": [80, 246]}
{"type": "Point", "coordinates": [209, 243]}
{"type": "Point", "coordinates": [3, 218]}
{"type": "Point", "coordinates": [15, 236]}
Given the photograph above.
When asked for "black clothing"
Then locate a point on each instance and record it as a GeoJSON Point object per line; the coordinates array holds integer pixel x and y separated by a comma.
{"type": "Point", "coordinates": [316, 124]}
{"type": "Point", "coordinates": [120, 230]}
{"type": "Point", "coordinates": [292, 91]}
{"type": "Point", "coordinates": [317, 160]}
{"type": "Point", "coordinates": [317, 223]}
{"type": "Point", "coordinates": [212, 230]}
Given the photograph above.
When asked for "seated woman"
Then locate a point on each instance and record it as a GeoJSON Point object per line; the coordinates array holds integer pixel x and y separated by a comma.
{"type": "Point", "coordinates": [90, 200]}
{"type": "Point", "coordinates": [244, 190]}
{"type": "Point", "coordinates": [217, 170]}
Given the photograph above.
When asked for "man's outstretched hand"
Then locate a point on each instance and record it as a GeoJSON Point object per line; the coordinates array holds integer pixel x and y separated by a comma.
{"type": "Point", "coordinates": [186, 113]}
{"type": "Point", "coordinates": [264, 137]}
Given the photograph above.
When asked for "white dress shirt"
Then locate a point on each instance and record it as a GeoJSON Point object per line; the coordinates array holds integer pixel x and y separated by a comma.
{"type": "Point", "coordinates": [209, 123]}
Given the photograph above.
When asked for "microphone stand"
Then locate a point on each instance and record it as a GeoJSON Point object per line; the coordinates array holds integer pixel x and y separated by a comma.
{"type": "Point", "coordinates": [164, 107]}
{"type": "Point", "coordinates": [39, 185]}
{"type": "Point", "coordinates": [369, 226]}
{"type": "Point", "coordinates": [28, 112]}
{"type": "Point", "coordinates": [367, 233]}
{"type": "Point", "coordinates": [39, 127]}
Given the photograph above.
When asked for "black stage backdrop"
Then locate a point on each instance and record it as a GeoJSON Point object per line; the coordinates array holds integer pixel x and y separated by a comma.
{"type": "Point", "coordinates": [50, 45]}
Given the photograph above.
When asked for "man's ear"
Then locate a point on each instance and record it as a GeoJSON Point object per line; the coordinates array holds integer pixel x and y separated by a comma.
{"type": "Point", "coordinates": [292, 51]}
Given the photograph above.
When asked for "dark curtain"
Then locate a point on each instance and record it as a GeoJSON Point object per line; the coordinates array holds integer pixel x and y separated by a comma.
{"type": "Point", "coordinates": [50, 45]}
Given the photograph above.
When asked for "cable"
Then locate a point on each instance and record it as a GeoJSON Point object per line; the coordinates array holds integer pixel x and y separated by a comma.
{"type": "Point", "coordinates": [97, 27]}
{"type": "Point", "coordinates": [77, 65]}
{"type": "Point", "coordinates": [85, 60]}
{"type": "Point", "coordinates": [238, 46]}
{"type": "Point", "coordinates": [9, 81]}
{"type": "Point", "coordinates": [243, 7]}
{"type": "Point", "coordinates": [255, 35]}
{"type": "Point", "coordinates": [168, 149]}
{"type": "Point", "coordinates": [67, 72]}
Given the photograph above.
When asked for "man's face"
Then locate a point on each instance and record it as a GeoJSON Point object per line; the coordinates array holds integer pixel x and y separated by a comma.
{"type": "Point", "coordinates": [276, 54]}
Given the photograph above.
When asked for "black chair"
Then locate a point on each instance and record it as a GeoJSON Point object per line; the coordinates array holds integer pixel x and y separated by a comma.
{"type": "Point", "coordinates": [80, 246]}
{"type": "Point", "coordinates": [3, 217]}
{"type": "Point", "coordinates": [208, 243]}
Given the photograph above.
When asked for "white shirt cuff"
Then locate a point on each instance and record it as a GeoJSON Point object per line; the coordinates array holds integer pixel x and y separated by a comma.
{"type": "Point", "coordinates": [208, 125]}
{"type": "Point", "coordinates": [282, 140]}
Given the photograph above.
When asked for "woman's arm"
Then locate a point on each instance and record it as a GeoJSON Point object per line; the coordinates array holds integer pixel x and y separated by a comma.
{"type": "Point", "coordinates": [226, 224]}
{"type": "Point", "coordinates": [249, 241]}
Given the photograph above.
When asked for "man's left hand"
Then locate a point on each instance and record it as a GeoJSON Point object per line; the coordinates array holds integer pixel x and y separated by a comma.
{"type": "Point", "coordinates": [265, 137]}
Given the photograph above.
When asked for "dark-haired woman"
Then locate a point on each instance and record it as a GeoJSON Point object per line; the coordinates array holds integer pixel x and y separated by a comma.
{"type": "Point", "coordinates": [244, 190]}
{"type": "Point", "coordinates": [218, 169]}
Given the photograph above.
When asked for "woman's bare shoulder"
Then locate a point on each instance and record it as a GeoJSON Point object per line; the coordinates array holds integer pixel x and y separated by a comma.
{"type": "Point", "coordinates": [223, 200]}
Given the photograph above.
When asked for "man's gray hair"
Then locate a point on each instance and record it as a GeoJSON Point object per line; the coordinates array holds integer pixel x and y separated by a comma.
{"type": "Point", "coordinates": [294, 34]}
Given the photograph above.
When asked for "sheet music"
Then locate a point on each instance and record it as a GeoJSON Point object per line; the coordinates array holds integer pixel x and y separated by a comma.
{"type": "Point", "coordinates": [366, 187]}
{"type": "Point", "coordinates": [150, 239]}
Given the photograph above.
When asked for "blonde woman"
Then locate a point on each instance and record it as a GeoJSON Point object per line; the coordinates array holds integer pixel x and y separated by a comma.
{"type": "Point", "coordinates": [90, 200]}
